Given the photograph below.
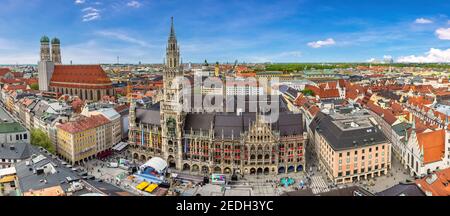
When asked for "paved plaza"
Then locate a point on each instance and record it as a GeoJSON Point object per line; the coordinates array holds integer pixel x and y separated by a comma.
{"type": "Point", "coordinates": [396, 175]}
{"type": "Point", "coordinates": [249, 185]}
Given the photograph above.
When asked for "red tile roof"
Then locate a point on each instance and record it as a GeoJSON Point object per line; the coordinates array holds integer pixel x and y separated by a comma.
{"type": "Point", "coordinates": [81, 75]}
{"type": "Point", "coordinates": [14, 87]}
{"type": "Point", "coordinates": [396, 107]}
{"type": "Point", "coordinates": [440, 186]}
{"type": "Point", "coordinates": [389, 117]}
{"type": "Point", "coordinates": [420, 100]}
{"type": "Point", "coordinates": [433, 144]}
{"type": "Point", "coordinates": [77, 105]}
{"type": "Point", "coordinates": [351, 94]}
{"type": "Point", "coordinates": [4, 71]}
{"type": "Point", "coordinates": [84, 123]}
{"type": "Point", "coordinates": [17, 74]}
{"type": "Point", "coordinates": [330, 93]}
{"type": "Point", "coordinates": [121, 108]}
{"type": "Point", "coordinates": [314, 110]}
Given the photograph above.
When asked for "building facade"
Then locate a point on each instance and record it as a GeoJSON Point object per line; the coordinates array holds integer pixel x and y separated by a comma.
{"type": "Point", "coordinates": [200, 143]}
{"type": "Point", "coordinates": [84, 138]}
{"type": "Point", "coordinates": [88, 82]}
{"type": "Point", "coordinates": [351, 147]}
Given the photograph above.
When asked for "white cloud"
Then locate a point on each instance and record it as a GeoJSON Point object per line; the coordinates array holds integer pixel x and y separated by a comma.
{"type": "Point", "coordinates": [134, 4]}
{"type": "Point", "coordinates": [318, 44]}
{"type": "Point", "coordinates": [123, 37]}
{"type": "Point", "coordinates": [432, 56]}
{"type": "Point", "coordinates": [91, 14]}
{"type": "Point", "coordinates": [80, 1]}
{"type": "Point", "coordinates": [443, 33]}
{"type": "Point", "coordinates": [90, 9]}
{"type": "Point", "coordinates": [371, 60]}
{"type": "Point", "coordinates": [423, 21]}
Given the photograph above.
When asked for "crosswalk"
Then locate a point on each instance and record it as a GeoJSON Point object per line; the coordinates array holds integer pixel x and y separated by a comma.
{"type": "Point", "coordinates": [318, 185]}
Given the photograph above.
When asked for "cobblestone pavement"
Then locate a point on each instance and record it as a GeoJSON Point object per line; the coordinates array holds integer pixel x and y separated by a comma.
{"type": "Point", "coordinates": [100, 170]}
{"type": "Point", "coordinates": [256, 185]}
{"type": "Point", "coordinates": [396, 175]}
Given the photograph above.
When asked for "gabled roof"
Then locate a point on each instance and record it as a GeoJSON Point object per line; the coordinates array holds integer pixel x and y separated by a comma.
{"type": "Point", "coordinates": [80, 74]}
{"type": "Point", "coordinates": [4, 71]}
{"type": "Point", "coordinates": [433, 144]}
{"type": "Point", "coordinates": [322, 93]}
{"type": "Point", "coordinates": [389, 117]}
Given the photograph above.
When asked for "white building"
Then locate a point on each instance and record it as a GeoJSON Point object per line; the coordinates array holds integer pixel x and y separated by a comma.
{"type": "Point", "coordinates": [244, 88]}
{"type": "Point", "coordinates": [426, 152]}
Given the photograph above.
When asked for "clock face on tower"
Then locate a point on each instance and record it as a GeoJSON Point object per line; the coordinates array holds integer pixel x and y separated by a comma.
{"type": "Point", "coordinates": [171, 127]}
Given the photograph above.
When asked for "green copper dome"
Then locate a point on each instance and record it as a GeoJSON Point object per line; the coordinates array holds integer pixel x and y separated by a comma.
{"type": "Point", "coordinates": [55, 41]}
{"type": "Point", "coordinates": [45, 39]}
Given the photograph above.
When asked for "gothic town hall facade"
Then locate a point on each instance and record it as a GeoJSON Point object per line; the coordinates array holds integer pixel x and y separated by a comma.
{"type": "Point", "coordinates": [219, 142]}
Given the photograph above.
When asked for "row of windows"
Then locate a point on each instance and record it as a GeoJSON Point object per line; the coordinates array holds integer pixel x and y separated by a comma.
{"type": "Point", "coordinates": [362, 170]}
{"type": "Point", "coordinates": [9, 160]}
{"type": "Point", "coordinates": [362, 164]}
{"type": "Point", "coordinates": [19, 137]}
{"type": "Point", "coordinates": [362, 151]}
{"type": "Point", "coordinates": [355, 158]}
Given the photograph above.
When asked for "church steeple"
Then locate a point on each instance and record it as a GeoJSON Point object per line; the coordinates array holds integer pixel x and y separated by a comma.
{"type": "Point", "coordinates": [172, 50]}
{"type": "Point", "coordinates": [172, 29]}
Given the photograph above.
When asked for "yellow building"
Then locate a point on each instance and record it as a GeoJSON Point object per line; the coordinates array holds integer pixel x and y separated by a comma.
{"type": "Point", "coordinates": [78, 140]}
{"type": "Point", "coordinates": [10, 102]}
{"type": "Point", "coordinates": [216, 70]}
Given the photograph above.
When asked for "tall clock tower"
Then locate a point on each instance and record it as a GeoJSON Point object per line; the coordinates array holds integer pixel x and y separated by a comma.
{"type": "Point", "coordinates": [172, 116]}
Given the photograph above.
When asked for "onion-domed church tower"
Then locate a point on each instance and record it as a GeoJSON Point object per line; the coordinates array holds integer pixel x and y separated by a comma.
{"type": "Point", "coordinates": [172, 116]}
{"type": "Point", "coordinates": [45, 49]}
{"type": "Point", "coordinates": [56, 51]}
{"type": "Point", "coordinates": [45, 65]}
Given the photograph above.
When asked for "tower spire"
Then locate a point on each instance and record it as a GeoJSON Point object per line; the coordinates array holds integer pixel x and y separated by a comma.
{"type": "Point", "coordinates": [172, 28]}
{"type": "Point", "coordinates": [172, 49]}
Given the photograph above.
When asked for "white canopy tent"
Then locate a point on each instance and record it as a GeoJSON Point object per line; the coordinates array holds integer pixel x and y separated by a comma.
{"type": "Point", "coordinates": [156, 163]}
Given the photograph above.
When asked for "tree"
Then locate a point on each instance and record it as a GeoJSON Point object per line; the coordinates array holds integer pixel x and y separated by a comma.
{"type": "Point", "coordinates": [308, 92]}
{"type": "Point", "coordinates": [34, 86]}
{"type": "Point", "coordinates": [40, 138]}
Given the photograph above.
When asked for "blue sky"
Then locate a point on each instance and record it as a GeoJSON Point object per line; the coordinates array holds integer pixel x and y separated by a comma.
{"type": "Point", "coordinates": [97, 31]}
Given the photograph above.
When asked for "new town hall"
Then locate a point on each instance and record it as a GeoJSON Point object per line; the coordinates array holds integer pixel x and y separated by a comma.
{"type": "Point", "coordinates": [219, 142]}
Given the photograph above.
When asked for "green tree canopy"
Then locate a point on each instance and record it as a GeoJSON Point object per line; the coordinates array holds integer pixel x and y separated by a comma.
{"type": "Point", "coordinates": [40, 138]}
{"type": "Point", "coordinates": [34, 86]}
{"type": "Point", "coordinates": [307, 92]}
